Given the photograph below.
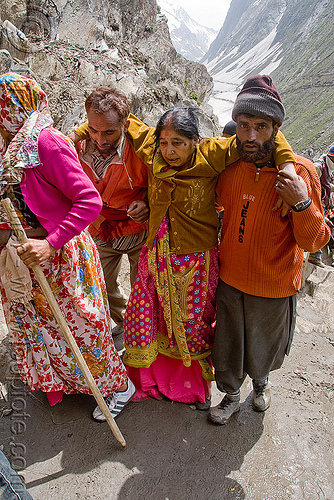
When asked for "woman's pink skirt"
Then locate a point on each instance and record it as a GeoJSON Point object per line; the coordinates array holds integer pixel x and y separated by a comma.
{"type": "Point", "coordinates": [169, 377]}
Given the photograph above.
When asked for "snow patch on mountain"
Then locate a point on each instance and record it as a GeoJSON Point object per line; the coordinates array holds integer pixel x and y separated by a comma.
{"type": "Point", "coordinates": [263, 58]}
{"type": "Point", "coordinates": [190, 39]}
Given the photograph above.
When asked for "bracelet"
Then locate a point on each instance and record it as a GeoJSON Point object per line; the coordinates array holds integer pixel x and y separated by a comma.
{"type": "Point", "coordinates": [302, 205]}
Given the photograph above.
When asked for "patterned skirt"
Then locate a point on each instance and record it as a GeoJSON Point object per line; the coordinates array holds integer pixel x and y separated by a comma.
{"type": "Point", "coordinates": [44, 359]}
{"type": "Point", "coordinates": [168, 324]}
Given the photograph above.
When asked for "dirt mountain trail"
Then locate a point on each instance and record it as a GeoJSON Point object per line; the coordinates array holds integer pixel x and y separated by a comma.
{"type": "Point", "coordinates": [172, 451]}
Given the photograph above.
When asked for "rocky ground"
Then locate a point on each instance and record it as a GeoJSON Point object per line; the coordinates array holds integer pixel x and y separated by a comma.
{"type": "Point", "coordinates": [172, 451]}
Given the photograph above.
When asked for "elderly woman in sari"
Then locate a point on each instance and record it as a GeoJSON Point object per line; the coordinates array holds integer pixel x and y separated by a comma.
{"type": "Point", "coordinates": [55, 200]}
{"type": "Point", "coordinates": [169, 320]}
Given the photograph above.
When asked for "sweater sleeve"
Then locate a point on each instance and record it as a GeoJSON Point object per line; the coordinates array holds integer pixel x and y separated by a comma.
{"type": "Point", "coordinates": [309, 228]}
{"type": "Point", "coordinates": [219, 152]}
{"type": "Point", "coordinates": [61, 168]}
{"type": "Point", "coordinates": [283, 152]}
{"type": "Point", "coordinates": [142, 138]}
{"type": "Point", "coordinates": [82, 131]}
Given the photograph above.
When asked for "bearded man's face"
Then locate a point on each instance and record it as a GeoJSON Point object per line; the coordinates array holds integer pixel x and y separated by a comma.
{"type": "Point", "coordinates": [255, 138]}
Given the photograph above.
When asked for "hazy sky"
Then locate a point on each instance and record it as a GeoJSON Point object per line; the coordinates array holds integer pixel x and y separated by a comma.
{"type": "Point", "coordinates": [210, 13]}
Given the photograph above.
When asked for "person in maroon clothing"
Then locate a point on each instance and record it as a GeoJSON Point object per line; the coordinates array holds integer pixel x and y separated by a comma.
{"type": "Point", "coordinates": [325, 169]}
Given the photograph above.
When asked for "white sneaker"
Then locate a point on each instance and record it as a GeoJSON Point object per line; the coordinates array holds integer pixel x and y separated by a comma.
{"type": "Point", "coordinates": [116, 402]}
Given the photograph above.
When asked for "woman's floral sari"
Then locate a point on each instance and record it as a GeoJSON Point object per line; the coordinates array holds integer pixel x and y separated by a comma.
{"type": "Point", "coordinates": [44, 359]}
{"type": "Point", "coordinates": [168, 323]}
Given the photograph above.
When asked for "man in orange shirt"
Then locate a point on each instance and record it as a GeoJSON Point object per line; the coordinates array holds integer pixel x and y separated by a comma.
{"type": "Point", "coordinates": [261, 252]}
{"type": "Point", "coordinates": [109, 160]}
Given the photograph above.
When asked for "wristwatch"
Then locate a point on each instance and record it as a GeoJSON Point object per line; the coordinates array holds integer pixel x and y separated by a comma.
{"type": "Point", "coordinates": [301, 205]}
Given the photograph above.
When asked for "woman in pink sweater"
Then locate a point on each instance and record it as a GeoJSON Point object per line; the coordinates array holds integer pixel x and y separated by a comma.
{"type": "Point", "coordinates": [56, 201]}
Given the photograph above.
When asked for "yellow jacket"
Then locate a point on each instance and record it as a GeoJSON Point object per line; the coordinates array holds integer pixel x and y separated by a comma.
{"type": "Point", "coordinates": [189, 195]}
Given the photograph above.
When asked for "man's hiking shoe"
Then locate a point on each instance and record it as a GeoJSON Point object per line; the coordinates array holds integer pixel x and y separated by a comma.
{"type": "Point", "coordinates": [116, 402]}
{"type": "Point", "coordinates": [261, 395]}
{"type": "Point", "coordinates": [221, 413]}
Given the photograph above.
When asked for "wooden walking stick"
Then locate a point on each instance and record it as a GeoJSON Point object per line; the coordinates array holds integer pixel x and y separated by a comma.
{"type": "Point", "coordinates": [22, 237]}
{"type": "Point", "coordinates": [304, 269]}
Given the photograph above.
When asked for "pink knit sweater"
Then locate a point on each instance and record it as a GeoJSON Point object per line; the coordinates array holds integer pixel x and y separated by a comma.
{"type": "Point", "coordinates": [58, 192]}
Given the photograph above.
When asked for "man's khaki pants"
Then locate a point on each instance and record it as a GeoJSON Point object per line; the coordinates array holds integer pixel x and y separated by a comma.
{"type": "Point", "coordinates": [111, 263]}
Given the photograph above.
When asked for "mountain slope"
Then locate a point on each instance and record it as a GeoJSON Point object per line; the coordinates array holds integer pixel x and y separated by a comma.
{"type": "Point", "coordinates": [306, 74]}
{"type": "Point", "coordinates": [77, 45]}
{"type": "Point", "coordinates": [291, 40]}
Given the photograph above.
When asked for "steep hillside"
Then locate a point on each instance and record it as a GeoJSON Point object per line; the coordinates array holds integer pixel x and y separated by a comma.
{"type": "Point", "coordinates": [190, 39]}
{"type": "Point", "coordinates": [306, 74]}
{"type": "Point", "coordinates": [247, 23]}
{"type": "Point", "coordinates": [291, 40]}
{"type": "Point", "coordinates": [76, 45]}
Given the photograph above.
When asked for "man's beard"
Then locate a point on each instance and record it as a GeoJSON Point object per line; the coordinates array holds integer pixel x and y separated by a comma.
{"type": "Point", "coordinates": [263, 153]}
{"type": "Point", "coordinates": [108, 148]}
